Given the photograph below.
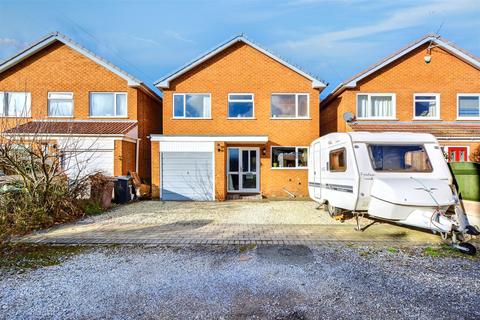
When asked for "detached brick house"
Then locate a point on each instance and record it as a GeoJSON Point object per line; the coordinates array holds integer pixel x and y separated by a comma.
{"type": "Point", "coordinates": [428, 86]}
{"type": "Point", "coordinates": [237, 121]}
{"type": "Point", "coordinates": [58, 89]}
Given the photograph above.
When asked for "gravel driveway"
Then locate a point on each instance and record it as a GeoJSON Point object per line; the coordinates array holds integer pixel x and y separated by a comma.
{"type": "Point", "coordinates": [230, 282]}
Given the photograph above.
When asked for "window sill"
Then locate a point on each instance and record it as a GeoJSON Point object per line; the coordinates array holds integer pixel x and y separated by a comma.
{"type": "Point", "coordinates": [290, 168]}
{"type": "Point", "coordinates": [276, 118]}
{"type": "Point", "coordinates": [108, 117]}
{"type": "Point", "coordinates": [380, 119]}
{"type": "Point", "coordinates": [426, 119]}
{"type": "Point", "coordinates": [468, 119]}
{"type": "Point", "coordinates": [22, 117]}
{"type": "Point", "coordinates": [60, 117]}
{"type": "Point", "coordinates": [191, 118]}
{"type": "Point", "coordinates": [240, 118]}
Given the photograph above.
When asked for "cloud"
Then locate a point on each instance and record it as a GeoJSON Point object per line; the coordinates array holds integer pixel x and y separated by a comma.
{"type": "Point", "coordinates": [9, 42]}
{"type": "Point", "coordinates": [177, 36]}
{"type": "Point", "coordinates": [399, 19]}
{"type": "Point", "coordinates": [146, 40]}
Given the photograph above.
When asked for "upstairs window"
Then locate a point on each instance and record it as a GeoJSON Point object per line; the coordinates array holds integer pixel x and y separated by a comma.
{"type": "Point", "coordinates": [426, 105]}
{"type": "Point", "coordinates": [60, 104]}
{"type": "Point", "coordinates": [290, 105]}
{"type": "Point", "coordinates": [289, 157]}
{"type": "Point", "coordinates": [15, 104]}
{"type": "Point", "coordinates": [240, 105]}
{"type": "Point", "coordinates": [192, 105]}
{"type": "Point", "coordinates": [376, 106]}
{"type": "Point", "coordinates": [469, 106]}
{"type": "Point", "coordinates": [108, 104]}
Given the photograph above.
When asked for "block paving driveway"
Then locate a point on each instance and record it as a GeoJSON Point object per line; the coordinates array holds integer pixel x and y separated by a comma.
{"type": "Point", "coordinates": [231, 222]}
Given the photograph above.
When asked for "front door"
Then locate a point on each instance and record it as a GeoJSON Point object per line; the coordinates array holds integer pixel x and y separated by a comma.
{"type": "Point", "coordinates": [457, 154]}
{"type": "Point", "coordinates": [243, 166]}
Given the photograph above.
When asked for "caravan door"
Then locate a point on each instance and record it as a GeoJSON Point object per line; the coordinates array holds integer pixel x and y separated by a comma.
{"type": "Point", "coordinates": [317, 167]}
{"type": "Point", "coordinates": [340, 177]}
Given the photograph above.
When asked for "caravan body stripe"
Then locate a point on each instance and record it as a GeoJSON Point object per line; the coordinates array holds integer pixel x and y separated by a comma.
{"type": "Point", "coordinates": [330, 186]}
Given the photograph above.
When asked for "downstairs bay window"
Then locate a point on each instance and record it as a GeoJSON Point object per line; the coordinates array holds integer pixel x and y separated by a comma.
{"type": "Point", "coordinates": [376, 106]}
{"type": "Point", "coordinates": [289, 157]}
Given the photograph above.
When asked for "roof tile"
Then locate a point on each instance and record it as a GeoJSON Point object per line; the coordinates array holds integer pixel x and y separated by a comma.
{"type": "Point", "coordinates": [74, 127]}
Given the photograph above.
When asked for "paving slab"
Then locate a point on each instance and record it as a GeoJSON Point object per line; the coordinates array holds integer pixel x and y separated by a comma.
{"type": "Point", "coordinates": [257, 222]}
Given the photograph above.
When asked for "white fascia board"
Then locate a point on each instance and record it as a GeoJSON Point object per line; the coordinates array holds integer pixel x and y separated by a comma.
{"type": "Point", "coordinates": [165, 82]}
{"type": "Point", "coordinates": [250, 139]}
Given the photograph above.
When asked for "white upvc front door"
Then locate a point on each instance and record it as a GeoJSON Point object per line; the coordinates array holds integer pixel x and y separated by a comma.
{"type": "Point", "coordinates": [243, 167]}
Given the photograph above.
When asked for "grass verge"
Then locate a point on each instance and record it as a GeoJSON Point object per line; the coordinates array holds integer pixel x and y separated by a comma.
{"type": "Point", "coordinates": [21, 256]}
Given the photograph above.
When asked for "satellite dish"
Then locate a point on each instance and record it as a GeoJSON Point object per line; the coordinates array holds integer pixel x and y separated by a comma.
{"type": "Point", "coordinates": [348, 117]}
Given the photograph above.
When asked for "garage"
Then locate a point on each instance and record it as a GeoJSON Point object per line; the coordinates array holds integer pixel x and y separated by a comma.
{"type": "Point", "coordinates": [88, 162]}
{"type": "Point", "coordinates": [186, 171]}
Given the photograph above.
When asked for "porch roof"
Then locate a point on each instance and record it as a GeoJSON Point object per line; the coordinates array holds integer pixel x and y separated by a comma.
{"type": "Point", "coordinates": [441, 130]}
{"type": "Point", "coordinates": [210, 138]}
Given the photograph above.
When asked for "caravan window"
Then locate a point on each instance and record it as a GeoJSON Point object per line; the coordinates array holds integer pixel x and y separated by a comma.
{"type": "Point", "coordinates": [397, 158]}
{"type": "Point", "coordinates": [338, 160]}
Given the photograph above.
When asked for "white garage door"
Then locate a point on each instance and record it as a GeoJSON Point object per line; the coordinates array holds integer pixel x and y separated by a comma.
{"type": "Point", "coordinates": [186, 175]}
{"type": "Point", "coordinates": [88, 162]}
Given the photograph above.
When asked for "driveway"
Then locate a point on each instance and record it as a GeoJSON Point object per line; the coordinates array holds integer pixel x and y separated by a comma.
{"type": "Point", "coordinates": [231, 222]}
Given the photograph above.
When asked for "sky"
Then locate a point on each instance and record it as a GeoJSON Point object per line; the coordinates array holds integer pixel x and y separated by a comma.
{"type": "Point", "coordinates": [330, 39]}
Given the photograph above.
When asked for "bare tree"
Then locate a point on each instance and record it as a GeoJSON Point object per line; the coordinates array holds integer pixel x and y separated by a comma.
{"type": "Point", "coordinates": [50, 170]}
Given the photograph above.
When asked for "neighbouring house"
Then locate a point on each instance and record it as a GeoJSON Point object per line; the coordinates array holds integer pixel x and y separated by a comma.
{"type": "Point", "coordinates": [59, 89]}
{"type": "Point", "coordinates": [237, 121]}
{"type": "Point", "coordinates": [430, 85]}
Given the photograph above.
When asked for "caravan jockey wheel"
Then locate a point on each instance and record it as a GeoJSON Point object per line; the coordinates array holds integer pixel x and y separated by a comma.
{"type": "Point", "coordinates": [467, 248]}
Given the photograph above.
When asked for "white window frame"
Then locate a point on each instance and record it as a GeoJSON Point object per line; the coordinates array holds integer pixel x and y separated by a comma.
{"type": "Point", "coordinates": [296, 94]}
{"type": "Point", "coordinates": [437, 102]}
{"type": "Point", "coordinates": [59, 92]}
{"type": "Point", "coordinates": [185, 105]}
{"type": "Point", "coordinates": [114, 104]}
{"type": "Point", "coordinates": [458, 105]}
{"type": "Point", "coordinates": [383, 94]}
{"type": "Point", "coordinates": [29, 113]}
{"type": "Point", "coordinates": [296, 158]}
{"type": "Point", "coordinates": [241, 100]}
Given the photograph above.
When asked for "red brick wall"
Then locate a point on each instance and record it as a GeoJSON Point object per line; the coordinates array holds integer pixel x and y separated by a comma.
{"type": "Point", "coordinates": [445, 74]}
{"type": "Point", "coordinates": [58, 68]}
{"type": "Point", "coordinates": [243, 69]}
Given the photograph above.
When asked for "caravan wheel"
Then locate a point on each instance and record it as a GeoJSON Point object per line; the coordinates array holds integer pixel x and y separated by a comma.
{"type": "Point", "coordinates": [333, 211]}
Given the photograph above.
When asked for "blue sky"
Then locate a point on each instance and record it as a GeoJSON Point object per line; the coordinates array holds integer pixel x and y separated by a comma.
{"type": "Point", "coordinates": [331, 39]}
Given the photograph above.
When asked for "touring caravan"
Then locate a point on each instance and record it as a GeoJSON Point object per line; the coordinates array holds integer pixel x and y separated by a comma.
{"type": "Point", "coordinates": [396, 177]}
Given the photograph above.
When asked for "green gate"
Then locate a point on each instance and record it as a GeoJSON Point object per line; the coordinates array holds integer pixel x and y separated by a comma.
{"type": "Point", "coordinates": [467, 176]}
